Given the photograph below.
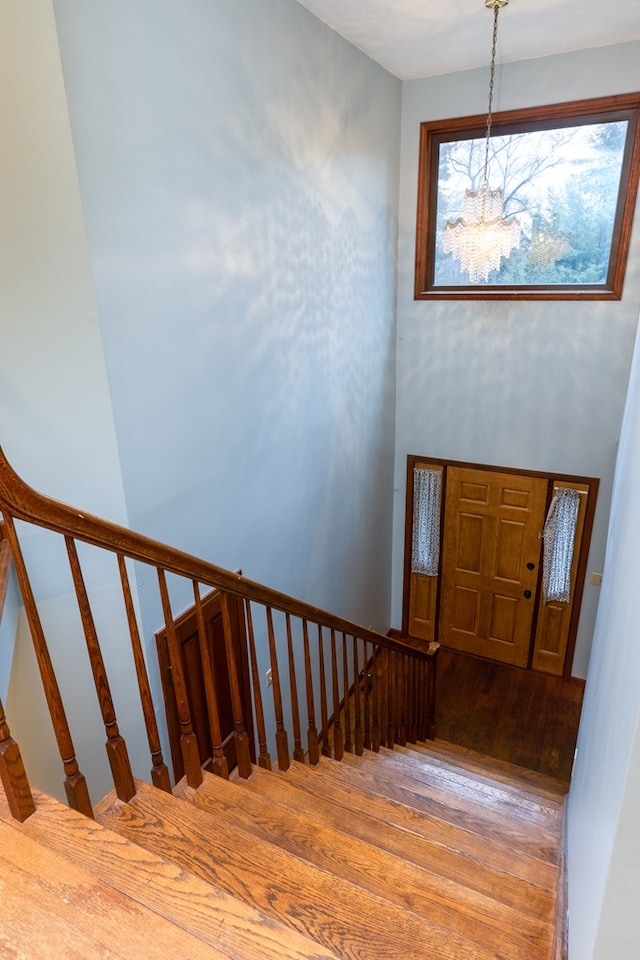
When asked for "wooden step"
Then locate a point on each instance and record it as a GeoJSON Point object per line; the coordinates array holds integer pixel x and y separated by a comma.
{"type": "Point", "coordinates": [434, 822]}
{"type": "Point", "coordinates": [497, 770]}
{"type": "Point", "coordinates": [341, 916]}
{"type": "Point", "coordinates": [492, 820]}
{"type": "Point", "coordinates": [334, 808]}
{"type": "Point", "coordinates": [165, 890]}
{"type": "Point", "coordinates": [50, 908]}
{"type": "Point", "coordinates": [454, 775]}
{"type": "Point", "coordinates": [463, 789]}
{"type": "Point", "coordinates": [482, 919]}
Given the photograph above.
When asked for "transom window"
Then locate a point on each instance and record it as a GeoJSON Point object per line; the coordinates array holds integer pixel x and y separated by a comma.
{"type": "Point", "coordinates": [569, 175]}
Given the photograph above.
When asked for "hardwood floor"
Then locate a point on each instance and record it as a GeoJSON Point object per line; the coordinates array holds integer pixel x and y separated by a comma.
{"type": "Point", "coordinates": [521, 716]}
{"type": "Point", "coordinates": [426, 851]}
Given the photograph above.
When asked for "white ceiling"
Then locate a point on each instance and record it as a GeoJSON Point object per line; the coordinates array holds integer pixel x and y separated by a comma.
{"type": "Point", "coordinates": [421, 38]}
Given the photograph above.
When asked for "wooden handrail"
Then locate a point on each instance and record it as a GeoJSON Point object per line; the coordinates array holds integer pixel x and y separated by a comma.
{"type": "Point", "coordinates": [25, 503]}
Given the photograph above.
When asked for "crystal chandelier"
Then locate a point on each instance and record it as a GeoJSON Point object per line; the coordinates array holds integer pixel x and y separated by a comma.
{"type": "Point", "coordinates": [481, 237]}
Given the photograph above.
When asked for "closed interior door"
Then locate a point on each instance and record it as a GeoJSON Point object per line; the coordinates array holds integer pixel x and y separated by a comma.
{"type": "Point", "coordinates": [186, 627]}
{"type": "Point", "coordinates": [491, 554]}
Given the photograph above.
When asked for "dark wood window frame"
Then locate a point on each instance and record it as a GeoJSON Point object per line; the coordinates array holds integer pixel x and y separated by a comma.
{"type": "Point", "coordinates": [433, 133]}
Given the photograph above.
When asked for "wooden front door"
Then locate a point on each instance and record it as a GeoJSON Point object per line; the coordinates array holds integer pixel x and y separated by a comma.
{"type": "Point", "coordinates": [491, 554]}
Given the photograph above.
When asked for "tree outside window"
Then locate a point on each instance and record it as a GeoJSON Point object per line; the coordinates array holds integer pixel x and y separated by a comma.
{"type": "Point", "coordinates": [569, 173]}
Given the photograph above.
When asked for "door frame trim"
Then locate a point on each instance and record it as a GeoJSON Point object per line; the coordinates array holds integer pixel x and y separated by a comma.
{"type": "Point", "coordinates": [592, 483]}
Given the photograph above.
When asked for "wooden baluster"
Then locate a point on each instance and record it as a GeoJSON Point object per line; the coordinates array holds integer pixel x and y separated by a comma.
{"type": "Point", "coordinates": [357, 700]}
{"type": "Point", "coordinates": [75, 784]}
{"type": "Point", "coordinates": [243, 755]}
{"type": "Point", "coordinates": [312, 733]}
{"type": "Point", "coordinates": [383, 677]}
{"type": "Point", "coordinates": [159, 770]}
{"type": "Point", "coordinates": [424, 699]}
{"type": "Point", "coordinates": [402, 700]}
{"type": "Point", "coordinates": [394, 695]}
{"type": "Point", "coordinates": [12, 774]}
{"type": "Point", "coordinates": [422, 694]}
{"type": "Point", "coordinates": [412, 727]}
{"type": "Point", "coordinates": [116, 746]}
{"type": "Point", "coordinates": [298, 752]}
{"type": "Point", "coordinates": [391, 688]}
{"type": "Point", "coordinates": [406, 668]}
{"type": "Point", "coordinates": [366, 696]}
{"type": "Point", "coordinates": [398, 692]}
{"type": "Point", "coordinates": [264, 757]}
{"type": "Point", "coordinates": [188, 741]}
{"type": "Point", "coordinates": [348, 745]}
{"type": "Point", "coordinates": [338, 741]}
{"type": "Point", "coordinates": [282, 740]}
{"type": "Point", "coordinates": [432, 667]}
{"type": "Point", "coordinates": [375, 679]}
{"type": "Point", "coordinates": [5, 567]}
{"type": "Point", "coordinates": [324, 712]}
{"type": "Point", "coordinates": [417, 668]}
{"type": "Point", "coordinates": [219, 764]}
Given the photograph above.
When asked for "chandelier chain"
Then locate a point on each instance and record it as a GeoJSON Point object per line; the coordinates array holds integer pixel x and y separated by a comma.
{"type": "Point", "coordinates": [492, 73]}
{"type": "Point", "coordinates": [482, 237]}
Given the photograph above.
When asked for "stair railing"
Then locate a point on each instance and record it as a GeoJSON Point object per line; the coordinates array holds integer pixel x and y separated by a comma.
{"type": "Point", "coordinates": [372, 690]}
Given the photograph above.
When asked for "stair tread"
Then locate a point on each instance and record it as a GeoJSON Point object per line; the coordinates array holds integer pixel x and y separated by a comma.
{"type": "Point", "coordinates": [235, 929]}
{"type": "Point", "coordinates": [481, 918]}
{"type": "Point", "coordinates": [492, 766]}
{"type": "Point", "coordinates": [514, 791]}
{"type": "Point", "coordinates": [52, 908]}
{"type": "Point", "coordinates": [461, 786]}
{"type": "Point", "coordinates": [434, 825]}
{"type": "Point", "coordinates": [338, 914]}
{"type": "Point", "coordinates": [491, 820]}
{"type": "Point", "coordinates": [335, 808]}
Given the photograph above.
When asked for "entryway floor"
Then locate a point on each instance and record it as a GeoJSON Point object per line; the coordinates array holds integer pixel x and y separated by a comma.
{"type": "Point", "coordinates": [521, 716]}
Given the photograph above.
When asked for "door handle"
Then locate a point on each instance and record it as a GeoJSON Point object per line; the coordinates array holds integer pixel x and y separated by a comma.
{"type": "Point", "coordinates": [531, 566]}
{"type": "Point", "coordinates": [527, 594]}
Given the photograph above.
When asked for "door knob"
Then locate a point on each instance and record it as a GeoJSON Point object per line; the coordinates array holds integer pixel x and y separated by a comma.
{"type": "Point", "coordinates": [527, 594]}
{"type": "Point", "coordinates": [531, 566]}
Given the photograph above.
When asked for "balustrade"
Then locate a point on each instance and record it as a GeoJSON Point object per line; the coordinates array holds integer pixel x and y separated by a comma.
{"type": "Point", "coordinates": [371, 690]}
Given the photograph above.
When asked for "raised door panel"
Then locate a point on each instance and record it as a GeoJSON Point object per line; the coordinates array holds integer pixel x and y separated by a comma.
{"type": "Point", "coordinates": [422, 606]}
{"type": "Point", "coordinates": [187, 634]}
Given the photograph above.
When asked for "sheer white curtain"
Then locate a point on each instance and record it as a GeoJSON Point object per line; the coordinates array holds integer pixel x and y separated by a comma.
{"type": "Point", "coordinates": [559, 538]}
{"type": "Point", "coordinates": [425, 547]}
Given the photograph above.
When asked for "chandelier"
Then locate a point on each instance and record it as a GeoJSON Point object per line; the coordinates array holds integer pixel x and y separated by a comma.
{"type": "Point", "coordinates": [481, 237]}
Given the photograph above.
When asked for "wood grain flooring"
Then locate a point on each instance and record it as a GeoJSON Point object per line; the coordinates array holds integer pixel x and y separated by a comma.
{"type": "Point", "coordinates": [521, 716]}
{"type": "Point", "coordinates": [428, 852]}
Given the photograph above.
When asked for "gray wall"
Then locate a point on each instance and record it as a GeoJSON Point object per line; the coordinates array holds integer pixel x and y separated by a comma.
{"type": "Point", "coordinates": [56, 423]}
{"type": "Point", "coordinates": [538, 386]}
{"type": "Point", "coordinates": [604, 840]}
{"type": "Point", "coordinates": [238, 167]}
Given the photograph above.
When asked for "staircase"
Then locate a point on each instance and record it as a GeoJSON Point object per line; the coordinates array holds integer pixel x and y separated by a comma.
{"type": "Point", "coordinates": [420, 852]}
{"type": "Point", "coordinates": [368, 841]}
